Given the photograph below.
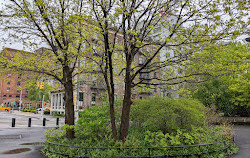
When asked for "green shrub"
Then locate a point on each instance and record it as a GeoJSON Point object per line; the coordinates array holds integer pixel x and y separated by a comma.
{"type": "Point", "coordinates": [33, 111]}
{"type": "Point", "coordinates": [137, 138]}
{"type": "Point", "coordinates": [216, 92]}
{"type": "Point", "coordinates": [152, 118]}
{"type": "Point", "coordinates": [94, 122]}
{"type": "Point", "coordinates": [47, 111]}
{"type": "Point", "coordinates": [55, 113]}
{"type": "Point", "coordinates": [166, 114]}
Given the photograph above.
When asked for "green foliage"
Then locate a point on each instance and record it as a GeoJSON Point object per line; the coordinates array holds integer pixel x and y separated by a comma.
{"type": "Point", "coordinates": [229, 95]}
{"type": "Point", "coordinates": [167, 114]}
{"type": "Point", "coordinates": [136, 138]}
{"type": "Point", "coordinates": [29, 110]}
{"type": "Point", "coordinates": [56, 113]}
{"type": "Point", "coordinates": [35, 93]}
{"type": "Point", "coordinates": [216, 92]}
{"type": "Point", "coordinates": [94, 122]}
{"type": "Point", "coordinates": [240, 86]}
{"type": "Point", "coordinates": [47, 111]}
{"type": "Point", "coordinates": [93, 130]}
{"type": "Point", "coordinates": [230, 91]}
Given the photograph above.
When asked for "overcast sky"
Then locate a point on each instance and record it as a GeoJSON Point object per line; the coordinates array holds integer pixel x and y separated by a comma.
{"type": "Point", "coordinates": [18, 45]}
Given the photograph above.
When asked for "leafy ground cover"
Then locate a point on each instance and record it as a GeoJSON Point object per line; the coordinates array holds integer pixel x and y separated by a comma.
{"type": "Point", "coordinates": [155, 122]}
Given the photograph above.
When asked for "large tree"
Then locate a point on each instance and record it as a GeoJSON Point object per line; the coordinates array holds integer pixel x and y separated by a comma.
{"type": "Point", "coordinates": [227, 66]}
{"type": "Point", "coordinates": [182, 26]}
{"type": "Point", "coordinates": [56, 24]}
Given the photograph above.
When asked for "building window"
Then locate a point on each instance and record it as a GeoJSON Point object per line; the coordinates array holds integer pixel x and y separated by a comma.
{"type": "Point", "coordinates": [17, 96]}
{"type": "Point", "coordinates": [18, 83]}
{"type": "Point", "coordinates": [18, 91]}
{"type": "Point", "coordinates": [81, 83]}
{"type": "Point", "coordinates": [10, 95]}
{"type": "Point", "coordinates": [9, 75]}
{"type": "Point", "coordinates": [93, 99]}
{"type": "Point", "coordinates": [148, 74]}
{"type": "Point", "coordinates": [140, 60]}
{"type": "Point", "coordinates": [8, 82]}
{"type": "Point", "coordinates": [8, 89]}
{"type": "Point", "coordinates": [140, 97]}
{"type": "Point", "coordinates": [141, 76]}
{"type": "Point", "coordinates": [81, 96]}
{"type": "Point", "coordinates": [155, 75]}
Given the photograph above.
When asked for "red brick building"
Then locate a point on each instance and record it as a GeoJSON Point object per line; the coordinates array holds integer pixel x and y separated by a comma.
{"type": "Point", "coordinates": [12, 84]}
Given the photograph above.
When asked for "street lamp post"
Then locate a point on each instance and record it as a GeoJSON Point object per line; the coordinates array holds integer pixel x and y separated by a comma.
{"type": "Point", "coordinates": [20, 106]}
{"type": "Point", "coordinates": [42, 107]}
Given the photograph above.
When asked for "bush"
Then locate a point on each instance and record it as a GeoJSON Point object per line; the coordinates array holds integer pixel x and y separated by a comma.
{"type": "Point", "coordinates": [216, 92]}
{"type": "Point", "coordinates": [55, 113]}
{"type": "Point", "coordinates": [33, 111]}
{"type": "Point", "coordinates": [137, 138]}
{"type": "Point", "coordinates": [156, 122]}
{"type": "Point", "coordinates": [166, 114]}
{"type": "Point", "coordinates": [47, 111]}
{"type": "Point", "coordinates": [94, 122]}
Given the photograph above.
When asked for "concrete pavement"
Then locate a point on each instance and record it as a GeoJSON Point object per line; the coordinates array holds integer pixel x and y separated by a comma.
{"type": "Point", "coordinates": [242, 139]}
{"type": "Point", "coordinates": [12, 138]}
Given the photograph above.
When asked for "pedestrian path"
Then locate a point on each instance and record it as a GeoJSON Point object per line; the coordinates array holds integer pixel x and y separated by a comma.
{"type": "Point", "coordinates": [242, 139]}
{"type": "Point", "coordinates": [21, 120]}
{"type": "Point", "coordinates": [14, 138]}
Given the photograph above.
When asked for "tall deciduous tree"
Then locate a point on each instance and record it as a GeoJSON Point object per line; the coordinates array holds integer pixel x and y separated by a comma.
{"type": "Point", "coordinates": [229, 65]}
{"type": "Point", "coordinates": [160, 25]}
{"type": "Point", "coordinates": [56, 23]}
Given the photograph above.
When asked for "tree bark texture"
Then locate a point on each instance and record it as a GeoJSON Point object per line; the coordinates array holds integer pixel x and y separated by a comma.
{"type": "Point", "coordinates": [69, 105]}
{"type": "Point", "coordinates": [126, 103]}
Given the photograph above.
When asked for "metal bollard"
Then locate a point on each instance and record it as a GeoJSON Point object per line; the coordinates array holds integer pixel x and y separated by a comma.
{"type": "Point", "coordinates": [13, 122]}
{"type": "Point", "coordinates": [57, 121]}
{"type": "Point", "coordinates": [29, 122]}
{"type": "Point", "coordinates": [44, 121]}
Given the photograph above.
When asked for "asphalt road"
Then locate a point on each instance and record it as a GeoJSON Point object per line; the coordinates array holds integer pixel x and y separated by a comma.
{"type": "Point", "coordinates": [242, 139]}
{"type": "Point", "coordinates": [12, 138]}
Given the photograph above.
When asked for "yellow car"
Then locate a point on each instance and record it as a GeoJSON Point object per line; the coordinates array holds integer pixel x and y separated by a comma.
{"type": "Point", "coordinates": [5, 108]}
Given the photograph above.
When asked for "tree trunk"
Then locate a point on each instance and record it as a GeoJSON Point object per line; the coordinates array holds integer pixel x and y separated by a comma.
{"type": "Point", "coordinates": [69, 105]}
{"type": "Point", "coordinates": [125, 112]}
{"type": "Point", "coordinates": [112, 116]}
{"type": "Point", "coordinates": [126, 102]}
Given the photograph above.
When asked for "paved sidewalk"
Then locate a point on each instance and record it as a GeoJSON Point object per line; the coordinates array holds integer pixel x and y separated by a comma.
{"type": "Point", "coordinates": [242, 139]}
{"type": "Point", "coordinates": [28, 135]}
{"type": "Point", "coordinates": [22, 120]}
{"type": "Point", "coordinates": [12, 138]}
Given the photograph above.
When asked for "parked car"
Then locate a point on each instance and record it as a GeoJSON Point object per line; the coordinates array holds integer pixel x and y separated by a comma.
{"type": "Point", "coordinates": [40, 109]}
{"type": "Point", "coordinates": [5, 108]}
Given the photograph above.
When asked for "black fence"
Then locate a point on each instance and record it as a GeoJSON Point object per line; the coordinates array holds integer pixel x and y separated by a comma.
{"type": "Point", "coordinates": [86, 150]}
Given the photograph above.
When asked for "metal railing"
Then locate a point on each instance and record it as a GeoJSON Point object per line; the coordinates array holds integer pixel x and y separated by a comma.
{"type": "Point", "coordinates": [149, 150]}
